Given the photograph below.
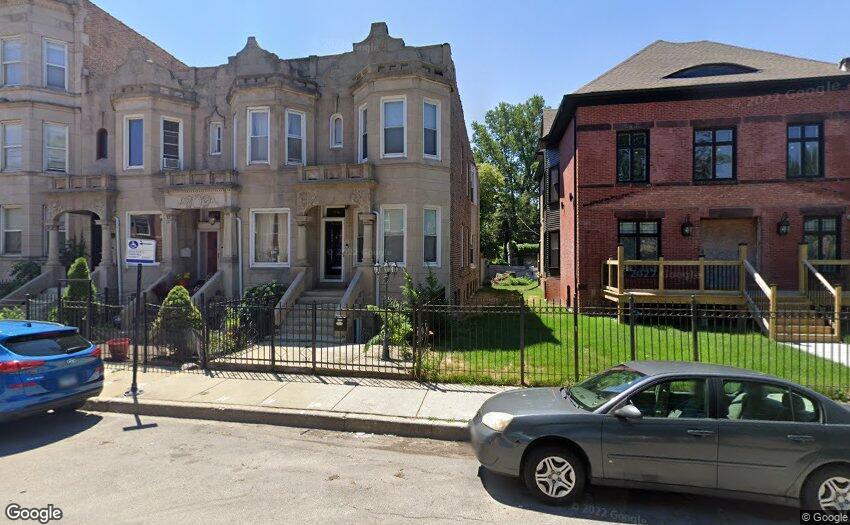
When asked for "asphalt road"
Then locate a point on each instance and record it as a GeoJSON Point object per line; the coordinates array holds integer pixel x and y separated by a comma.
{"type": "Point", "coordinates": [106, 468]}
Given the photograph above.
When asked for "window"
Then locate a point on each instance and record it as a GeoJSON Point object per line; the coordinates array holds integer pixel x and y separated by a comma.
{"type": "Point", "coordinates": [12, 53]}
{"type": "Point", "coordinates": [821, 235]}
{"type": "Point", "coordinates": [554, 184]}
{"type": "Point", "coordinates": [805, 142]}
{"type": "Point", "coordinates": [431, 236]}
{"type": "Point", "coordinates": [463, 245]}
{"type": "Point", "coordinates": [55, 64]}
{"type": "Point", "coordinates": [336, 131]}
{"type": "Point", "coordinates": [295, 145]}
{"type": "Point", "coordinates": [12, 147]}
{"type": "Point", "coordinates": [101, 144]}
{"type": "Point", "coordinates": [62, 230]}
{"type": "Point", "coordinates": [714, 154]}
{"type": "Point", "coordinates": [270, 237]}
{"type": "Point", "coordinates": [258, 136]}
{"type": "Point", "coordinates": [640, 239]}
{"type": "Point", "coordinates": [676, 399]}
{"type": "Point", "coordinates": [134, 142]}
{"type": "Point", "coordinates": [431, 129]}
{"type": "Point", "coordinates": [56, 147]}
{"type": "Point", "coordinates": [363, 147]}
{"type": "Point", "coordinates": [394, 232]}
{"type": "Point", "coordinates": [472, 247]}
{"type": "Point", "coordinates": [554, 252]}
{"type": "Point", "coordinates": [393, 119]}
{"type": "Point", "coordinates": [712, 70]}
{"type": "Point", "coordinates": [12, 219]}
{"type": "Point", "coordinates": [216, 130]}
{"type": "Point", "coordinates": [594, 392]}
{"type": "Point", "coordinates": [146, 225]}
{"type": "Point", "coordinates": [361, 231]}
{"type": "Point", "coordinates": [172, 150]}
{"type": "Point", "coordinates": [633, 156]}
{"type": "Point", "coordinates": [756, 401]}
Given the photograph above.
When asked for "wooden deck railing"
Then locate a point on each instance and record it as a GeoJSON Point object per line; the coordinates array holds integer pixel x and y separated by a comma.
{"type": "Point", "coordinates": [825, 294]}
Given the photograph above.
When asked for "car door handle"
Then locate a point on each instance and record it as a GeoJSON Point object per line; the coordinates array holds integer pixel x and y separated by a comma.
{"type": "Point", "coordinates": [800, 438]}
{"type": "Point", "coordinates": [701, 433]}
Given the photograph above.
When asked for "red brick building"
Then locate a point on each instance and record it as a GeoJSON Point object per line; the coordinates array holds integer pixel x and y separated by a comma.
{"type": "Point", "coordinates": [690, 149]}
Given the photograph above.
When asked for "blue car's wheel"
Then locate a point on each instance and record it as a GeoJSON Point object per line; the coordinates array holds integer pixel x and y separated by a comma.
{"type": "Point", "coordinates": [554, 475]}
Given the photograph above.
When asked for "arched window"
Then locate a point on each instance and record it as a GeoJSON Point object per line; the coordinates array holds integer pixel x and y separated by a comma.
{"type": "Point", "coordinates": [336, 131]}
{"type": "Point", "coordinates": [102, 137]}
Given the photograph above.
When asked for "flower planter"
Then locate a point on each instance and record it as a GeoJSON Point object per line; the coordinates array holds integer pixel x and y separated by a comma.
{"type": "Point", "coordinates": [118, 348]}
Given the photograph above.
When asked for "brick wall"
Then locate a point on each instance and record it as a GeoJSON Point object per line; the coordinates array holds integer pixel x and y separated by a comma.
{"type": "Point", "coordinates": [761, 190]}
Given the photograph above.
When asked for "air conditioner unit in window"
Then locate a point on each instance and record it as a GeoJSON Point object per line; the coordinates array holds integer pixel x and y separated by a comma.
{"type": "Point", "coordinates": [170, 164]}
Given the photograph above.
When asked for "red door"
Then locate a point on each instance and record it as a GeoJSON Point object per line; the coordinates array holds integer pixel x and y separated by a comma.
{"type": "Point", "coordinates": [211, 259]}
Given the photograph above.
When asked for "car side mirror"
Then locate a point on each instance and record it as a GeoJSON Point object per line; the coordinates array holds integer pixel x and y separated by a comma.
{"type": "Point", "coordinates": [628, 412]}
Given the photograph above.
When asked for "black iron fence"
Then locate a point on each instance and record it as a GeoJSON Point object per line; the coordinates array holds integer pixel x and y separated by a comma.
{"type": "Point", "coordinates": [531, 344]}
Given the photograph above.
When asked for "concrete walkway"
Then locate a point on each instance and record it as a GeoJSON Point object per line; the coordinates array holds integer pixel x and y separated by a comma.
{"type": "Point", "coordinates": [385, 406]}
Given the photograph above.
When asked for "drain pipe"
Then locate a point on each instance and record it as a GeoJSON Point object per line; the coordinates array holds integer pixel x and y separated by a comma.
{"type": "Point", "coordinates": [239, 253]}
{"type": "Point", "coordinates": [118, 258]}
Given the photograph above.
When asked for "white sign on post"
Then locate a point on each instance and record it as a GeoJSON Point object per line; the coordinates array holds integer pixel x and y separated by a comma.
{"type": "Point", "coordinates": [141, 251]}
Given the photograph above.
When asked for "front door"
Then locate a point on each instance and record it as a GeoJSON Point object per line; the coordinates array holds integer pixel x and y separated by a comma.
{"type": "Point", "coordinates": [674, 443]}
{"type": "Point", "coordinates": [209, 253]}
{"type": "Point", "coordinates": [719, 240]}
{"type": "Point", "coordinates": [332, 259]}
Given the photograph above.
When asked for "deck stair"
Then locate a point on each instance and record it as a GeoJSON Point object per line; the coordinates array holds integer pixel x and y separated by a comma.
{"type": "Point", "coordinates": [797, 321]}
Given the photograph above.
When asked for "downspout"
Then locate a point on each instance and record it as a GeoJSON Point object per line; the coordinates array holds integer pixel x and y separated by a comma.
{"type": "Point", "coordinates": [118, 258]}
{"type": "Point", "coordinates": [239, 253]}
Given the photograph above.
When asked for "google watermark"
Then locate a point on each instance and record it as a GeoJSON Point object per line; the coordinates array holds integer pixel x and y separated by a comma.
{"type": "Point", "coordinates": [43, 515]}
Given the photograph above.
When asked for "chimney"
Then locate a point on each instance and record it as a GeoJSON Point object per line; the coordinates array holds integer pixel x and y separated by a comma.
{"type": "Point", "coordinates": [844, 64]}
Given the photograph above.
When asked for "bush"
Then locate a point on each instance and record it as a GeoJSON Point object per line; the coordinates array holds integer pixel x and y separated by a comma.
{"type": "Point", "coordinates": [516, 281]}
{"type": "Point", "coordinates": [24, 271]}
{"type": "Point", "coordinates": [431, 291]}
{"type": "Point", "coordinates": [72, 251]}
{"type": "Point", "coordinates": [80, 287]}
{"type": "Point", "coordinates": [178, 324]}
{"type": "Point", "coordinates": [12, 312]}
{"type": "Point", "coordinates": [395, 319]}
{"type": "Point", "coordinates": [256, 310]}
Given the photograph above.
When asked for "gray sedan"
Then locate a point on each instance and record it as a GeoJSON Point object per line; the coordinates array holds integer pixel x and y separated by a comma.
{"type": "Point", "coordinates": [685, 427]}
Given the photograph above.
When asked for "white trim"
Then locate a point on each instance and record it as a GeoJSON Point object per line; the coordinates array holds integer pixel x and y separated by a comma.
{"type": "Point", "coordinates": [44, 146]}
{"type": "Point", "coordinates": [44, 63]}
{"type": "Point", "coordinates": [127, 216]}
{"type": "Point", "coordinates": [216, 136]}
{"type": "Point", "coordinates": [127, 165]}
{"type": "Point", "coordinates": [403, 208]}
{"type": "Point", "coordinates": [332, 138]}
{"type": "Point", "coordinates": [303, 137]}
{"type": "Point", "coordinates": [4, 147]}
{"type": "Point", "coordinates": [250, 111]}
{"type": "Point", "coordinates": [362, 129]}
{"type": "Point", "coordinates": [179, 122]}
{"type": "Point", "coordinates": [253, 234]}
{"type": "Point", "coordinates": [403, 100]}
{"type": "Point", "coordinates": [3, 229]}
{"type": "Point", "coordinates": [324, 221]}
{"type": "Point", "coordinates": [438, 104]}
{"type": "Point", "coordinates": [439, 262]}
{"type": "Point", "coordinates": [3, 63]}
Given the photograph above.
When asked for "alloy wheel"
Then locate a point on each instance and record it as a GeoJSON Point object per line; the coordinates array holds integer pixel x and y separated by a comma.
{"type": "Point", "coordinates": [834, 493]}
{"type": "Point", "coordinates": [555, 477]}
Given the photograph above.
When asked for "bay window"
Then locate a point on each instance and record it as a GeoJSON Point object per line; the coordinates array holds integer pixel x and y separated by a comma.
{"type": "Point", "coordinates": [11, 56]}
{"type": "Point", "coordinates": [393, 233]}
{"type": "Point", "coordinates": [431, 129]}
{"type": "Point", "coordinates": [172, 131]}
{"type": "Point", "coordinates": [258, 136]}
{"type": "Point", "coordinates": [55, 64]}
{"type": "Point", "coordinates": [270, 237]}
{"type": "Point", "coordinates": [216, 130]}
{"type": "Point", "coordinates": [134, 142]}
{"type": "Point", "coordinates": [12, 227]}
{"type": "Point", "coordinates": [431, 236]}
{"type": "Point", "coordinates": [393, 124]}
{"type": "Point", "coordinates": [363, 146]}
{"type": "Point", "coordinates": [295, 144]}
{"type": "Point", "coordinates": [12, 147]}
{"type": "Point", "coordinates": [56, 147]}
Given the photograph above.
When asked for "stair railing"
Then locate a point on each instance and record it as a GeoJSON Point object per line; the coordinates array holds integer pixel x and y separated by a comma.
{"type": "Point", "coordinates": [825, 297]}
{"type": "Point", "coordinates": [761, 298]}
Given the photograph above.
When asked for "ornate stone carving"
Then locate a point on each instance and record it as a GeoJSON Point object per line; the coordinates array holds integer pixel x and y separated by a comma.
{"type": "Point", "coordinates": [306, 200]}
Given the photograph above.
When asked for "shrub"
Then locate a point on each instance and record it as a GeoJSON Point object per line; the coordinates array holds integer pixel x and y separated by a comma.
{"type": "Point", "coordinates": [256, 310]}
{"type": "Point", "coordinates": [80, 287]}
{"type": "Point", "coordinates": [24, 271]}
{"type": "Point", "coordinates": [12, 312]}
{"type": "Point", "coordinates": [516, 281]}
{"type": "Point", "coordinates": [427, 292]}
{"type": "Point", "coordinates": [395, 319]}
{"type": "Point", "coordinates": [178, 323]}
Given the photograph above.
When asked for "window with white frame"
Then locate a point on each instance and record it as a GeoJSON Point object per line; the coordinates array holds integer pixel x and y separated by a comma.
{"type": "Point", "coordinates": [258, 136]}
{"type": "Point", "coordinates": [336, 131]}
{"type": "Point", "coordinates": [55, 64]}
{"type": "Point", "coordinates": [431, 129]}
{"type": "Point", "coordinates": [363, 133]}
{"type": "Point", "coordinates": [134, 142]}
{"type": "Point", "coordinates": [216, 130]}
{"type": "Point", "coordinates": [12, 147]}
{"type": "Point", "coordinates": [394, 231]}
{"type": "Point", "coordinates": [12, 55]}
{"type": "Point", "coordinates": [295, 144]}
{"type": "Point", "coordinates": [12, 219]}
{"type": "Point", "coordinates": [56, 147]}
{"type": "Point", "coordinates": [431, 235]}
{"type": "Point", "coordinates": [270, 237]}
{"type": "Point", "coordinates": [360, 236]}
{"type": "Point", "coordinates": [146, 225]}
{"type": "Point", "coordinates": [393, 124]}
{"type": "Point", "coordinates": [172, 132]}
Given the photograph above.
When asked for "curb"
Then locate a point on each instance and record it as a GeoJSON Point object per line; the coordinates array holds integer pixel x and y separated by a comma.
{"type": "Point", "coordinates": [317, 419]}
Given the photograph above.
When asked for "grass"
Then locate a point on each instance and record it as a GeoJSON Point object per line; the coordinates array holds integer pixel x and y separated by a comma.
{"type": "Point", "coordinates": [485, 346]}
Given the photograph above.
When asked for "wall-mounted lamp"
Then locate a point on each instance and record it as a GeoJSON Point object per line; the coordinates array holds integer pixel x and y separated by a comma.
{"type": "Point", "coordinates": [687, 227]}
{"type": "Point", "coordinates": [784, 225]}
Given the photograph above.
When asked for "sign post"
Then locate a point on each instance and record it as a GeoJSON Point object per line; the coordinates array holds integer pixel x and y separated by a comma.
{"type": "Point", "coordinates": [134, 386]}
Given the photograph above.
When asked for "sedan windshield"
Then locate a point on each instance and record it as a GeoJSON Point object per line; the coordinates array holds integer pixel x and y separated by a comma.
{"type": "Point", "coordinates": [592, 393]}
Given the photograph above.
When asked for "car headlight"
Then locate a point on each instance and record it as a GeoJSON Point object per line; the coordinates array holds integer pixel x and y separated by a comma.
{"type": "Point", "coordinates": [498, 421]}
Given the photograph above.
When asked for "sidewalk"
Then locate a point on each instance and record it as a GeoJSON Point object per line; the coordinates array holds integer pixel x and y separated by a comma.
{"type": "Point", "coordinates": [382, 406]}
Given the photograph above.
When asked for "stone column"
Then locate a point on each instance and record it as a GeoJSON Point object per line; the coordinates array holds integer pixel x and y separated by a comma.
{"type": "Point", "coordinates": [53, 245]}
{"type": "Point", "coordinates": [107, 250]}
{"type": "Point", "coordinates": [229, 263]}
{"type": "Point", "coordinates": [170, 255]}
{"type": "Point", "coordinates": [368, 219]}
{"type": "Point", "coordinates": [302, 222]}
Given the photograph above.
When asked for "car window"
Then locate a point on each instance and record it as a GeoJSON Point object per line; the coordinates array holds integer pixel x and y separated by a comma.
{"type": "Point", "coordinates": [805, 408]}
{"type": "Point", "coordinates": [675, 399]}
{"type": "Point", "coordinates": [594, 392]}
{"type": "Point", "coordinates": [756, 401]}
{"type": "Point", "coordinates": [42, 345]}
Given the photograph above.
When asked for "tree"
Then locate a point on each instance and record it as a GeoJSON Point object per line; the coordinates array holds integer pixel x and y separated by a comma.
{"type": "Point", "coordinates": [178, 323]}
{"type": "Point", "coordinates": [492, 210]}
{"type": "Point", "coordinates": [508, 139]}
{"type": "Point", "coordinates": [80, 287]}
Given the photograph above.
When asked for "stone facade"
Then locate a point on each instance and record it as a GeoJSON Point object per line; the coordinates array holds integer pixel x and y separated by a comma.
{"type": "Point", "coordinates": [255, 170]}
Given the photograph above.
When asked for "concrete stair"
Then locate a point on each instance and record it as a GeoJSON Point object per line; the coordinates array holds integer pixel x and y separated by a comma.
{"type": "Point", "coordinates": [298, 325]}
{"type": "Point", "coordinates": [798, 322]}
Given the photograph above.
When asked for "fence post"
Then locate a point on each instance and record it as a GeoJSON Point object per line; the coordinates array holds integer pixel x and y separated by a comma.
{"type": "Point", "coordinates": [522, 341]}
{"type": "Point", "coordinates": [313, 335]}
{"type": "Point", "coordinates": [145, 323]}
{"type": "Point", "coordinates": [88, 310]}
{"type": "Point", "coordinates": [27, 312]}
{"type": "Point", "coordinates": [742, 272]}
{"type": "Point", "coordinates": [661, 274]}
{"type": "Point", "coordinates": [771, 328]}
{"type": "Point", "coordinates": [695, 327]}
{"type": "Point", "coordinates": [632, 343]}
{"type": "Point", "coordinates": [701, 273]}
{"type": "Point", "coordinates": [205, 333]}
{"type": "Point", "coordinates": [272, 336]}
{"type": "Point", "coordinates": [416, 333]}
{"type": "Point", "coordinates": [802, 273]}
{"type": "Point", "coordinates": [575, 336]}
{"type": "Point", "coordinates": [836, 323]}
{"type": "Point", "coordinates": [621, 271]}
{"type": "Point", "coordinates": [58, 302]}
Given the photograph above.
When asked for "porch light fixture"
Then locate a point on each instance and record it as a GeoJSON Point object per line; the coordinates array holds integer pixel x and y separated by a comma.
{"type": "Point", "coordinates": [687, 227]}
{"type": "Point", "coordinates": [783, 226]}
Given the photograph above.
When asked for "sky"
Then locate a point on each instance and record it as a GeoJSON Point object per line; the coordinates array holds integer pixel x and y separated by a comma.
{"type": "Point", "coordinates": [503, 51]}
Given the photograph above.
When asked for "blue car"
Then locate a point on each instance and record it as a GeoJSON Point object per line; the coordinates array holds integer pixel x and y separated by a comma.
{"type": "Point", "coordinates": [45, 366]}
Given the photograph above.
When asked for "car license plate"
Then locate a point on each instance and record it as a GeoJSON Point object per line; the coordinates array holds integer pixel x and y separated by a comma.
{"type": "Point", "coordinates": [67, 381]}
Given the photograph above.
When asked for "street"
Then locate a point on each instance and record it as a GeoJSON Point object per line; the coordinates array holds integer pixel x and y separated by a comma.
{"type": "Point", "coordinates": [111, 468]}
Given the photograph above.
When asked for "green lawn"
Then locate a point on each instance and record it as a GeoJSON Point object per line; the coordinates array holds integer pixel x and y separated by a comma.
{"type": "Point", "coordinates": [485, 347]}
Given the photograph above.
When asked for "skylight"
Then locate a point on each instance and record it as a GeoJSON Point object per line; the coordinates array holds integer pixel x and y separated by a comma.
{"type": "Point", "coordinates": [711, 70]}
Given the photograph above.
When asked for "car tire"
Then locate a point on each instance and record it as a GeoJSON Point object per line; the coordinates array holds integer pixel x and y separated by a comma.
{"type": "Point", "coordinates": [555, 475]}
{"type": "Point", "coordinates": [830, 483]}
